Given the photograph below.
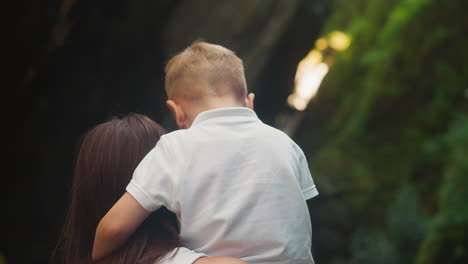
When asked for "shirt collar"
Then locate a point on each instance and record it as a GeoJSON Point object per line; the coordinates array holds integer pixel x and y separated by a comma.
{"type": "Point", "coordinates": [225, 112]}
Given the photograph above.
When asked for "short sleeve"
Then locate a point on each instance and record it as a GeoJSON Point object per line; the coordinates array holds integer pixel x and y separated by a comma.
{"type": "Point", "coordinates": [305, 178]}
{"type": "Point", "coordinates": [181, 256]}
{"type": "Point", "coordinates": [153, 182]}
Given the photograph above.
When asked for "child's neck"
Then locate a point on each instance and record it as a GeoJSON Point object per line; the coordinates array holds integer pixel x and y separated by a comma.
{"type": "Point", "coordinates": [210, 103]}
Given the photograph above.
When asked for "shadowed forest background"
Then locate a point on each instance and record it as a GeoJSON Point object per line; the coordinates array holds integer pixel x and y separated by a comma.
{"type": "Point", "coordinates": [386, 135]}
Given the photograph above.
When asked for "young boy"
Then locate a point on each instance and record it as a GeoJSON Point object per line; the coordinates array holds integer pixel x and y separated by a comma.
{"type": "Point", "coordinates": [237, 186]}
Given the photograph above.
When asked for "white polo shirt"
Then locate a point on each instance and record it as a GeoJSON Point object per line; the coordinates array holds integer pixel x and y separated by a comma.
{"type": "Point", "coordinates": [237, 186]}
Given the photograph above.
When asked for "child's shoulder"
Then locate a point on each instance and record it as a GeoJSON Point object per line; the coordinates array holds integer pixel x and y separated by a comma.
{"type": "Point", "coordinates": [171, 138]}
{"type": "Point", "coordinates": [281, 136]}
{"type": "Point", "coordinates": [175, 133]}
{"type": "Point", "coordinates": [275, 132]}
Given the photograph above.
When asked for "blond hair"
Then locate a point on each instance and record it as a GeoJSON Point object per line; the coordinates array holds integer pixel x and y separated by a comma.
{"type": "Point", "coordinates": [205, 69]}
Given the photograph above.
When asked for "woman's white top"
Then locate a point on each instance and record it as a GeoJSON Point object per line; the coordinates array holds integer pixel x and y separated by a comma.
{"type": "Point", "coordinates": [180, 256]}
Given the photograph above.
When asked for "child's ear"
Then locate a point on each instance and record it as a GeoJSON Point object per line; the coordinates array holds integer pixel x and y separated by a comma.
{"type": "Point", "coordinates": [179, 114]}
{"type": "Point", "coordinates": [249, 101]}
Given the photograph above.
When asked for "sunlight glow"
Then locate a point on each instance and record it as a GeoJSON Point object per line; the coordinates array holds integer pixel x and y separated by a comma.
{"type": "Point", "coordinates": [339, 41]}
{"type": "Point", "coordinates": [312, 69]}
{"type": "Point", "coordinates": [321, 44]}
{"type": "Point", "coordinates": [297, 102]}
{"type": "Point", "coordinates": [309, 81]}
{"type": "Point", "coordinates": [309, 76]}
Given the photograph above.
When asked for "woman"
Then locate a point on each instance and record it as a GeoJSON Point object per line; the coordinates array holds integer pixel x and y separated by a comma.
{"type": "Point", "coordinates": [108, 155]}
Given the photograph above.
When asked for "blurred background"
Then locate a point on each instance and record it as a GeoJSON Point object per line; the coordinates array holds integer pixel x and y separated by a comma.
{"type": "Point", "coordinates": [374, 91]}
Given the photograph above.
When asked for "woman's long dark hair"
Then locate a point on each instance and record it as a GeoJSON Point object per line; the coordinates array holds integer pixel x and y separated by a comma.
{"type": "Point", "coordinates": [108, 155]}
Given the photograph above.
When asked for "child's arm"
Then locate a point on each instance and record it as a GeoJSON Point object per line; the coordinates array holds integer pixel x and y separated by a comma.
{"type": "Point", "coordinates": [219, 260]}
{"type": "Point", "coordinates": [117, 226]}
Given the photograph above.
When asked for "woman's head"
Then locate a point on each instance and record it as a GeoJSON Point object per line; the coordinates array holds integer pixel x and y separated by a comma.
{"type": "Point", "coordinates": [108, 155]}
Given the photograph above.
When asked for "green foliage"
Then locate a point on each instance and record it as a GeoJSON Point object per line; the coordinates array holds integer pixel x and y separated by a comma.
{"type": "Point", "coordinates": [406, 224]}
{"type": "Point", "coordinates": [400, 240]}
{"type": "Point", "coordinates": [447, 241]}
{"type": "Point", "coordinates": [395, 130]}
{"type": "Point", "coordinates": [373, 247]}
